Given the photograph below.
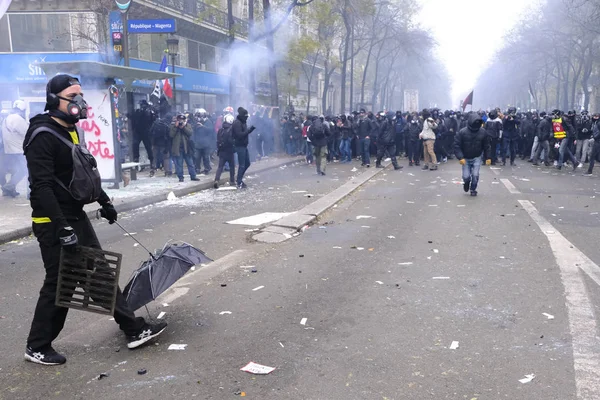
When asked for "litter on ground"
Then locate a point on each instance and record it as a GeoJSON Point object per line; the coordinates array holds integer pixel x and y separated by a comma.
{"type": "Point", "coordinates": [257, 369]}
{"type": "Point", "coordinates": [257, 288]}
{"type": "Point", "coordinates": [527, 379]}
{"type": "Point", "coordinates": [303, 321]}
{"type": "Point", "coordinates": [225, 312]}
{"type": "Point", "coordinates": [441, 277]}
{"type": "Point", "coordinates": [454, 345]}
{"type": "Point", "coordinates": [161, 315]}
{"type": "Point", "coordinates": [177, 347]}
{"type": "Point", "coordinates": [549, 316]}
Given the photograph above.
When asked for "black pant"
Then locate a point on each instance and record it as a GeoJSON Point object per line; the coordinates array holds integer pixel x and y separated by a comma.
{"type": "Point", "coordinates": [203, 159]}
{"type": "Point", "coordinates": [49, 319]}
{"type": "Point", "coordinates": [137, 139]}
{"type": "Point", "coordinates": [226, 158]}
{"type": "Point", "coordinates": [243, 163]}
{"type": "Point", "coordinates": [390, 149]}
{"type": "Point", "coordinates": [494, 146]}
{"type": "Point", "coordinates": [595, 153]}
{"type": "Point", "coordinates": [414, 153]}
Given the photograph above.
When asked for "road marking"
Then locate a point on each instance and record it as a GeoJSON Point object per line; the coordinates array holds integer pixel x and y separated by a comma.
{"type": "Point", "coordinates": [511, 188]}
{"type": "Point", "coordinates": [582, 324]}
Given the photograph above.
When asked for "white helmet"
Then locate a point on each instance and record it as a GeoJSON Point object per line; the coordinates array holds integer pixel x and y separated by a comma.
{"type": "Point", "coordinates": [228, 118]}
{"type": "Point", "coordinates": [20, 105]}
{"type": "Point", "coordinates": [201, 111]}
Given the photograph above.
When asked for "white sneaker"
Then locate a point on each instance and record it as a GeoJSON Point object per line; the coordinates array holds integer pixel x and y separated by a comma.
{"type": "Point", "coordinates": [580, 165]}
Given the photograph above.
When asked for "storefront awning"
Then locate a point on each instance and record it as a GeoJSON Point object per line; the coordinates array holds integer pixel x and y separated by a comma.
{"type": "Point", "coordinates": [98, 70]}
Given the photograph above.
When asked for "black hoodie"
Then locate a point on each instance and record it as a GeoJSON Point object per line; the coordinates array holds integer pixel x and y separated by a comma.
{"type": "Point", "coordinates": [473, 140]}
{"type": "Point", "coordinates": [240, 129]}
{"type": "Point", "coordinates": [47, 158]}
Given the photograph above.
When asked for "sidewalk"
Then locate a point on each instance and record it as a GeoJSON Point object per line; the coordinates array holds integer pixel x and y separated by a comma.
{"type": "Point", "coordinates": [15, 214]}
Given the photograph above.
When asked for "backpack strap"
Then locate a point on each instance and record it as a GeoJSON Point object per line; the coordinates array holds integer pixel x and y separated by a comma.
{"type": "Point", "coordinates": [62, 139]}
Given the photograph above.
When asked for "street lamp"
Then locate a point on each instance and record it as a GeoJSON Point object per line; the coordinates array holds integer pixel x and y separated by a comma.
{"type": "Point", "coordinates": [173, 49]}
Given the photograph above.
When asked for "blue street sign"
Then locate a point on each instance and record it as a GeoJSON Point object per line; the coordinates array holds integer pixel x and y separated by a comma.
{"type": "Point", "coordinates": [151, 25]}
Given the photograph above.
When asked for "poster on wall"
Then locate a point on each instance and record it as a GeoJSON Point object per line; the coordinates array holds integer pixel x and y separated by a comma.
{"type": "Point", "coordinates": [98, 129]}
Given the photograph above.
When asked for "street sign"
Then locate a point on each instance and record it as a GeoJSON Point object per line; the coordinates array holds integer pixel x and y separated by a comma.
{"type": "Point", "coordinates": [151, 26]}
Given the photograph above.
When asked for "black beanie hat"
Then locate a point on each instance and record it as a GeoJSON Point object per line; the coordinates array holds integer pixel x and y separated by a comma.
{"type": "Point", "coordinates": [59, 83]}
{"type": "Point", "coordinates": [242, 111]}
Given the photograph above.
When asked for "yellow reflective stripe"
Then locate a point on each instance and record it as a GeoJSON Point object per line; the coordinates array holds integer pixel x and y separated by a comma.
{"type": "Point", "coordinates": [74, 137]}
{"type": "Point", "coordinates": [41, 220]}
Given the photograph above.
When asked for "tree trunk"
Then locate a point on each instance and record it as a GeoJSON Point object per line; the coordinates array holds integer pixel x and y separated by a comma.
{"type": "Point", "coordinates": [272, 72]}
{"type": "Point", "coordinates": [325, 86]}
{"type": "Point", "coordinates": [364, 80]}
{"type": "Point", "coordinates": [308, 97]}
{"type": "Point", "coordinates": [348, 27]}
{"type": "Point", "coordinates": [587, 71]}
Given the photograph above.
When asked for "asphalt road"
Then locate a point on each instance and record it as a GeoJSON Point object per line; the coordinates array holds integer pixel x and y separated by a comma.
{"type": "Point", "coordinates": [436, 267]}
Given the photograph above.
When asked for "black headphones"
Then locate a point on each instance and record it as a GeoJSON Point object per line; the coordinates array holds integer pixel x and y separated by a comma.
{"type": "Point", "coordinates": [52, 100]}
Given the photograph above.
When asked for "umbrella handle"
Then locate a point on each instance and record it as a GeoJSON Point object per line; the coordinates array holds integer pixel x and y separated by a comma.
{"type": "Point", "coordinates": [130, 235]}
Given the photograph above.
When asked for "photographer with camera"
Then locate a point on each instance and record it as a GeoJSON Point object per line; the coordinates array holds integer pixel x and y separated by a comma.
{"type": "Point", "coordinates": [182, 148]}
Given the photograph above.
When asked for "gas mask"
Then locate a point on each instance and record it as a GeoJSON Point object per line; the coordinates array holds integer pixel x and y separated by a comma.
{"type": "Point", "coordinates": [77, 110]}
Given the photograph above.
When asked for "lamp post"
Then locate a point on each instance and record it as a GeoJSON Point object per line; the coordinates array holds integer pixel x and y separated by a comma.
{"type": "Point", "coordinates": [173, 49]}
{"type": "Point", "coordinates": [331, 89]}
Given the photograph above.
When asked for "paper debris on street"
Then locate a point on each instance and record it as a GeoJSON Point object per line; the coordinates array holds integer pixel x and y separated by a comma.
{"type": "Point", "coordinates": [177, 347]}
{"type": "Point", "coordinates": [257, 369]}
{"type": "Point", "coordinates": [259, 219]}
{"type": "Point", "coordinates": [225, 188]}
{"type": "Point", "coordinates": [379, 282]}
{"type": "Point", "coordinates": [436, 251]}
{"type": "Point", "coordinates": [527, 379]}
{"type": "Point", "coordinates": [336, 247]}
{"type": "Point", "coordinates": [405, 263]}
{"type": "Point", "coordinates": [257, 288]}
{"type": "Point", "coordinates": [549, 316]}
{"type": "Point", "coordinates": [363, 217]}
{"type": "Point", "coordinates": [441, 277]}
{"type": "Point", "coordinates": [161, 315]}
{"type": "Point", "coordinates": [298, 191]}
{"type": "Point", "coordinates": [171, 196]}
{"type": "Point", "coordinates": [225, 312]}
{"type": "Point", "coordinates": [353, 169]}
{"type": "Point", "coordinates": [391, 237]}
{"type": "Point", "coordinates": [454, 345]}
{"type": "Point", "coordinates": [303, 321]}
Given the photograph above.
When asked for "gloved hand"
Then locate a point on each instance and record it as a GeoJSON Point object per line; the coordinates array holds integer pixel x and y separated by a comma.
{"type": "Point", "coordinates": [108, 212]}
{"type": "Point", "coordinates": [462, 161]}
{"type": "Point", "coordinates": [252, 128]}
{"type": "Point", "coordinates": [488, 162]}
{"type": "Point", "coordinates": [68, 239]}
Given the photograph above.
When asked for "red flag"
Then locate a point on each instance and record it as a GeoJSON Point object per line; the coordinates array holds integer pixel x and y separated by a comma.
{"type": "Point", "coordinates": [467, 101]}
{"type": "Point", "coordinates": [167, 89]}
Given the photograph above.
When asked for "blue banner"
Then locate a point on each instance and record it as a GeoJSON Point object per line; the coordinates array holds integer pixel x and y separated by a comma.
{"type": "Point", "coordinates": [151, 25]}
{"type": "Point", "coordinates": [21, 68]}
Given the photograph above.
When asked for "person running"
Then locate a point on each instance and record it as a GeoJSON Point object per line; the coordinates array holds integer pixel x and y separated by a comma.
{"type": "Point", "coordinates": [469, 144]}
{"type": "Point", "coordinates": [226, 150]}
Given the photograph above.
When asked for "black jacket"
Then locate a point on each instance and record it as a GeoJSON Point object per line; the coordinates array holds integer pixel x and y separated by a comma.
{"type": "Point", "coordinates": [493, 127]}
{"type": "Point", "coordinates": [240, 132]}
{"type": "Point", "coordinates": [365, 126]}
{"type": "Point", "coordinates": [204, 134]}
{"type": "Point", "coordinates": [511, 127]}
{"type": "Point", "coordinates": [321, 141]}
{"type": "Point", "coordinates": [387, 133]}
{"type": "Point", "coordinates": [544, 130]}
{"type": "Point", "coordinates": [160, 133]}
{"type": "Point", "coordinates": [48, 157]}
{"type": "Point", "coordinates": [528, 129]}
{"type": "Point", "coordinates": [470, 144]}
{"type": "Point", "coordinates": [414, 129]}
{"type": "Point", "coordinates": [584, 130]}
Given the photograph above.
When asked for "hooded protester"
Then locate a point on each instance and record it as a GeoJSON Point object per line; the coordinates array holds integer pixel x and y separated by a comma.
{"type": "Point", "coordinates": [596, 147]}
{"type": "Point", "coordinates": [182, 147]}
{"type": "Point", "coordinates": [345, 128]}
{"type": "Point", "coordinates": [544, 134]}
{"type": "Point", "coordinates": [240, 135]}
{"type": "Point", "coordinates": [413, 129]}
{"type": "Point", "coordinates": [319, 133]}
{"type": "Point", "coordinates": [451, 130]}
{"type": "Point", "coordinates": [161, 143]}
{"type": "Point", "coordinates": [203, 140]}
{"type": "Point", "coordinates": [365, 128]}
{"type": "Point", "coordinates": [428, 136]}
{"type": "Point", "coordinates": [400, 124]}
{"type": "Point", "coordinates": [564, 133]}
{"type": "Point", "coordinates": [386, 141]}
{"type": "Point", "coordinates": [142, 120]}
{"type": "Point", "coordinates": [59, 220]}
{"type": "Point", "coordinates": [510, 136]}
{"type": "Point", "coordinates": [226, 150]}
{"type": "Point", "coordinates": [493, 127]}
{"type": "Point", "coordinates": [14, 128]}
{"type": "Point", "coordinates": [584, 134]}
{"type": "Point", "coordinates": [469, 144]}
{"type": "Point", "coordinates": [528, 131]}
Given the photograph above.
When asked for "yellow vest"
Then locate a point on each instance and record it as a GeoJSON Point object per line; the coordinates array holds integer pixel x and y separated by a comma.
{"type": "Point", "coordinates": [558, 129]}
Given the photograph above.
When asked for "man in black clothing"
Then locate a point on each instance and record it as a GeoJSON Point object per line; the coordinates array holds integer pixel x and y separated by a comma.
{"type": "Point", "coordinates": [319, 133]}
{"type": "Point", "coordinates": [510, 136]}
{"type": "Point", "coordinates": [240, 135]}
{"type": "Point", "coordinates": [365, 127]}
{"type": "Point", "coordinates": [142, 121]}
{"type": "Point", "coordinates": [544, 133]}
{"type": "Point", "coordinates": [203, 141]}
{"type": "Point", "coordinates": [59, 221]}
{"type": "Point", "coordinates": [386, 141]}
{"type": "Point", "coordinates": [469, 144]}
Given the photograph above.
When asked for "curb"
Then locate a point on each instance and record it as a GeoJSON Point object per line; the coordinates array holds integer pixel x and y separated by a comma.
{"type": "Point", "coordinates": [143, 202]}
{"type": "Point", "coordinates": [309, 214]}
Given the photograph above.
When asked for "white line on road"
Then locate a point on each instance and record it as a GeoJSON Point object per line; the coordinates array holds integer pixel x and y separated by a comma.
{"type": "Point", "coordinates": [511, 188]}
{"type": "Point", "coordinates": [582, 324]}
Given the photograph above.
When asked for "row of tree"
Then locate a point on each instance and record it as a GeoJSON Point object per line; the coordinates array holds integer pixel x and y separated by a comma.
{"type": "Point", "coordinates": [555, 49]}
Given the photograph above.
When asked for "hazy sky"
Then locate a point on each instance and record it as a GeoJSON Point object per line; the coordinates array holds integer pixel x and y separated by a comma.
{"type": "Point", "coordinates": [468, 33]}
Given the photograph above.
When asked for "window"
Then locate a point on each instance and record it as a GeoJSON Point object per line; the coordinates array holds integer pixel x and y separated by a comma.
{"type": "Point", "coordinates": [144, 47]}
{"type": "Point", "coordinates": [222, 61]}
{"type": "Point", "coordinates": [207, 57]}
{"type": "Point", "coordinates": [134, 48]}
{"type": "Point", "coordinates": [84, 33]}
{"type": "Point", "coordinates": [40, 32]}
{"type": "Point", "coordinates": [4, 42]}
{"type": "Point", "coordinates": [193, 56]}
{"type": "Point", "coordinates": [158, 44]}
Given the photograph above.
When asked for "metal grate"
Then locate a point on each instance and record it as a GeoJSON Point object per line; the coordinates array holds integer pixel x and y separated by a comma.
{"type": "Point", "coordinates": [88, 280]}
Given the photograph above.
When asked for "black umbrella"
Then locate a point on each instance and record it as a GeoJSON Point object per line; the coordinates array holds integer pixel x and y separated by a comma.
{"type": "Point", "coordinates": [160, 271]}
